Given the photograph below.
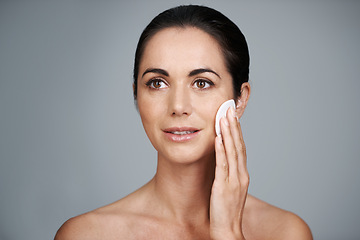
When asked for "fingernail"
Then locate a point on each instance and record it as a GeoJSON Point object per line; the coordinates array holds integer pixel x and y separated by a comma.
{"type": "Point", "coordinates": [219, 139]}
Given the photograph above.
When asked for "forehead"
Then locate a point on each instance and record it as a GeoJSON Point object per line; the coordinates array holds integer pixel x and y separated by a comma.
{"type": "Point", "coordinates": [187, 47]}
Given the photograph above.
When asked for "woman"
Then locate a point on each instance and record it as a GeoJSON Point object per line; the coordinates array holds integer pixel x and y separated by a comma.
{"type": "Point", "coordinates": [189, 60]}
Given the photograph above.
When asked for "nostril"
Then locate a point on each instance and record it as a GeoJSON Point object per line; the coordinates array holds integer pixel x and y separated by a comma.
{"type": "Point", "coordinates": [179, 113]}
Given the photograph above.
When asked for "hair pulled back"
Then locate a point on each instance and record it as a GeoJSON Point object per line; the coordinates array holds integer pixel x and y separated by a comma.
{"type": "Point", "coordinates": [221, 28]}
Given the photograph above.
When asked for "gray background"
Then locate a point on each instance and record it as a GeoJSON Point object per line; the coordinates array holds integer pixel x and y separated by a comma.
{"type": "Point", "coordinates": [71, 139]}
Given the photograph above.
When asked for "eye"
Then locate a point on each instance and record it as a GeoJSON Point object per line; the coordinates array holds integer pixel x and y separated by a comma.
{"type": "Point", "coordinates": [156, 84]}
{"type": "Point", "coordinates": [203, 84]}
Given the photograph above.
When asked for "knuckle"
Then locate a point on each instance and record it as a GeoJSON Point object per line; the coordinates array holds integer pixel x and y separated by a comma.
{"type": "Point", "coordinates": [225, 166]}
{"type": "Point", "coordinates": [242, 148]}
{"type": "Point", "coordinates": [236, 155]}
{"type": "Point", "coordinates": [243, 152]}
{"type": "Point", "coordinates": [245, 179]}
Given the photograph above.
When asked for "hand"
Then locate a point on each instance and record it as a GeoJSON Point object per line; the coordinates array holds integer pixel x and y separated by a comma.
{"type": "Point", "coordinates": [229, 190]}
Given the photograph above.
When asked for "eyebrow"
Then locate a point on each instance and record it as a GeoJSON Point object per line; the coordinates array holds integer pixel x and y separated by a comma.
{"type": "Point", "coordinates": [202, 70]}
{"type": "Point", "coordinates": [191, 74]}
{"type": "Point", "coordinates": [156, 70]}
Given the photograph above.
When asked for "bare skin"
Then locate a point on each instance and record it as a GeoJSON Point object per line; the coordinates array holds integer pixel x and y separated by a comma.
{"type": "Point", "coordinates": [200, 188]}
{"type": "Point", "coordinates": [127, 220]}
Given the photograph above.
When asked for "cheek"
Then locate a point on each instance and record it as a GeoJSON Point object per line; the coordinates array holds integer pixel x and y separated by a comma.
{"type": "Point", "coordinates": [208, 110]}
{"type": "Point", "coordinates": [145, 110]}
{"type": "Point", "coordinates": [149, 111]}
{"type": "Point", "coordinates": [146, 114]}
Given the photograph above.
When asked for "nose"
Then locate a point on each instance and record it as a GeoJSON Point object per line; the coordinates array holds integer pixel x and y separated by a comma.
{"type": "Point", "coordinates": [180, 102]}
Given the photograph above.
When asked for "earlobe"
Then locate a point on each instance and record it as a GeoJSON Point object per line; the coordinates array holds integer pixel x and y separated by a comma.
{"type": "Point", "coordinates": [243, 99]}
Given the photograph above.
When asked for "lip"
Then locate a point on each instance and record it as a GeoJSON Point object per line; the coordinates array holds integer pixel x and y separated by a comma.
{"type": "Point", "coordinates": [187, 133]}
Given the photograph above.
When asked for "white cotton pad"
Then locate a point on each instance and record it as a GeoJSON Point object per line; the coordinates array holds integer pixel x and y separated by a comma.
{"type": "Point", "coordinates": [222, 113]}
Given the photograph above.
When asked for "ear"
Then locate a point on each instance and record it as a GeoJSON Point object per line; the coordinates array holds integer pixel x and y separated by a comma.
{"type": "Point", "coordinates": [243, 99]}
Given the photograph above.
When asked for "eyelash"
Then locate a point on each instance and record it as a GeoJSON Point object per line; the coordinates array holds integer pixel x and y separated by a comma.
{"type": "Point", "coordinates": [204, 81]}
{"type": "Point", "coordinates": [154, 80]}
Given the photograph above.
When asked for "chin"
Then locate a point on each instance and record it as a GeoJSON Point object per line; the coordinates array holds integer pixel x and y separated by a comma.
{"type": "Point", "coordinates": [189, 154]}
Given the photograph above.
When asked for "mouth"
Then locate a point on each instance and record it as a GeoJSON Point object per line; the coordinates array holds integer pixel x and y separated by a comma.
{"type": "Point", "coordinates": [181, 134]}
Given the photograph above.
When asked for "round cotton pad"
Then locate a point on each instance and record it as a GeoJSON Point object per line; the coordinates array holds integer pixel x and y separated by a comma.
{"type": "Point", "coordinates": [222, 113]}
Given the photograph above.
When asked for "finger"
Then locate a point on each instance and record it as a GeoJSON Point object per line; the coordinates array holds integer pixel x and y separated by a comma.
{"type": "Point", "coordinates": [222, 167]}
{"type": "Point", "coordinates": [242, 166]}
{"type": "Point", "coordinates": [234, 130]}
{"type": "Point", "coordinates": [242, 151]}
{"type": "Point", "coordinates": [242, 174]}
{"type": "Point", "coordinates": [230, 151]}
{"type": "Point", "coordinates": [236, 133]}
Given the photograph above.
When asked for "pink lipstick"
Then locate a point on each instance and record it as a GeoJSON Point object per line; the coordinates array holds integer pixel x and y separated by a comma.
{"type": "Point", "coordinates": [181, 134]}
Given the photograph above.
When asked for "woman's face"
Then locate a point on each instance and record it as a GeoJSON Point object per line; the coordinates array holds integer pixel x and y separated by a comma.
{"type": "Point", "coordinates": [182, 82]}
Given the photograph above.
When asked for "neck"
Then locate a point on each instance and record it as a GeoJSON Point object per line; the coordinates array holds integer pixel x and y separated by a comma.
{"type": "Point", "coordinates": [183, 190]}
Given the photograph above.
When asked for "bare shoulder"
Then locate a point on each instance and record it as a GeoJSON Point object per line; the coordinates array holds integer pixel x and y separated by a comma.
{"type": "Point", "coordinates": [103, 223]}
{"type": "Point", "coordinates": [114, 221]}
{"type": "Point", "coordinates": [80, 227]}
{"type": "Point", "coordinates": [276, 223]}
